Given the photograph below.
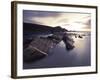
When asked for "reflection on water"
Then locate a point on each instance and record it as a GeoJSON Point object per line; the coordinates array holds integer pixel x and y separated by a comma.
{"type": "Point", "coordinates": [82, 45]}
{"type": "Point", "coordinates": [60, 57]}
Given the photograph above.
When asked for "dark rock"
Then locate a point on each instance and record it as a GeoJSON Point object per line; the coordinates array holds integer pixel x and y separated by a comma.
{"type": "Point", "coordinates": [31, 54]}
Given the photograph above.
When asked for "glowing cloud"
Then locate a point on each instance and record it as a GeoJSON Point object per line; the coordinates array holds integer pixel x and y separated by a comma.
{"type": "Point", "coordinates": [70, 21]}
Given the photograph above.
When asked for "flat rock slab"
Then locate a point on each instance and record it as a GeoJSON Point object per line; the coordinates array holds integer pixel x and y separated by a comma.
{"type": "Point", "coordinates": [38, 48]}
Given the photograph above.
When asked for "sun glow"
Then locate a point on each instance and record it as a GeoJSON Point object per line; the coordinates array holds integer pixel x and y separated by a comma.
{"type": "Point", "coordinates": [75, 27]}
{"type": "Point", "coordinates": [75, 23]}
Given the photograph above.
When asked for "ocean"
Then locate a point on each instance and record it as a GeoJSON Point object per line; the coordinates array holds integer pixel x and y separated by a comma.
{"type": "Point", "coordinates": [80, 55]}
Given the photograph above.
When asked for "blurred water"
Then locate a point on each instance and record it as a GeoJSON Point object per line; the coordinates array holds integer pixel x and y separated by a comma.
{"type": "Point", "coordinates": [60, 57]}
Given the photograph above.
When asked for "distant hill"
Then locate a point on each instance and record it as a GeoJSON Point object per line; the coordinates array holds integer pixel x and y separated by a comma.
{"type": "Point", "coordinates": [59, 29]}
{"type": "Point", "coordinates": [36, 28]}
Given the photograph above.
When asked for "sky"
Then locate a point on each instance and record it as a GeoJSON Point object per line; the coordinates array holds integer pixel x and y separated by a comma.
{"type": "Point", "coordinates": [68, 20]}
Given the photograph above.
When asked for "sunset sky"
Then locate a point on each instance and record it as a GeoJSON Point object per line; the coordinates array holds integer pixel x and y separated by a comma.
{"type": "Point", "coordinates": [68, 20]}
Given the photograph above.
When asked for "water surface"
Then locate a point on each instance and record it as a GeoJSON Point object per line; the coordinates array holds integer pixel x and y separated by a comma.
{"type": "Point", "coordinates": [60, 57]}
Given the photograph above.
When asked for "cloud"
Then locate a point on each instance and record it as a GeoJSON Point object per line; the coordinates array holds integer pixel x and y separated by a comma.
{"type": "Point", "coordinates": [40, 13]}
{"type": "Point", "coordinates": [28, 15]}
{"type": "Point", "coordinates": [66, 20]}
